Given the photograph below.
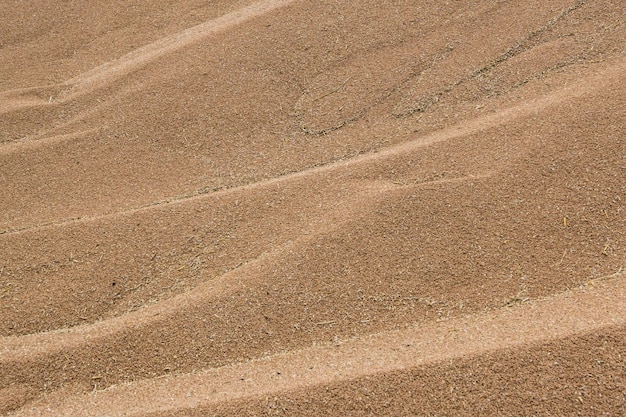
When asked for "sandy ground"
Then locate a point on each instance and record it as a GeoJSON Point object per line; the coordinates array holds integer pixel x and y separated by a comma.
{"type": "Point", "coordinates": [289, 207]}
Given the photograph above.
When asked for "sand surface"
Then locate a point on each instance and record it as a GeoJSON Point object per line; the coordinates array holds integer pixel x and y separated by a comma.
{"type": "Point", "coordinates": [289, 207]}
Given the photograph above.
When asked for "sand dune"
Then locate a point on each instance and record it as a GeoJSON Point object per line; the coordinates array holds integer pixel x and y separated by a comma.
{"type": "Point", "coordinates": [313, 208]}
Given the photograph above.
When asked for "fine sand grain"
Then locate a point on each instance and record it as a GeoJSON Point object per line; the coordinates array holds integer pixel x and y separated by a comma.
{"type": "Point", "coordinates": [286, 207]}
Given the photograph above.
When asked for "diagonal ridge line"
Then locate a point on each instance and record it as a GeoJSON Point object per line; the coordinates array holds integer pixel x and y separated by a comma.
{"type": "Point", "coordinates": [584, 87]}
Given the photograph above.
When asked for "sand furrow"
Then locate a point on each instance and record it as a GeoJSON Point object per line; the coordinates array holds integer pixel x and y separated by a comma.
{"type": "Point", "coordinates": [312, 208]}
{"type": "Point", "coordinates": [591, 85]}
{"type": "Point", "coordinates": [96, 78]}
{"type": "Point", "coordinates": [28, 347]}
{"type": "Point", "coordinates": [600, 305]}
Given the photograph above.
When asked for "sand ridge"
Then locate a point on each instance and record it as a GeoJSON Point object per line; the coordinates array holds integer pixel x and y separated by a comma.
{"type": "Point", "coordinates": [163, 46]}
{"type": "Point", "coordinates": [586, 86]}
{"type": "Point", "coordinates": [601, 304]}
{"type": "Point", "coordinates": [424, 202]}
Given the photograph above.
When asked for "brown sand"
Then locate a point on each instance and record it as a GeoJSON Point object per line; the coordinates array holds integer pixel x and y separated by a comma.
{"type": "Point", "coordinates": [313, 208]}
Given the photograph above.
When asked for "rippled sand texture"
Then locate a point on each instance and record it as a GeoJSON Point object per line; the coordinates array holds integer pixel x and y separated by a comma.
{"type": "Point", "coordinates": [312, 208]}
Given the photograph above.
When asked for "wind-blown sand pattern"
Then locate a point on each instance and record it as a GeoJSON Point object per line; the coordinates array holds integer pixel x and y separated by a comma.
{"type": "Point", "coordinates": [312, 208]}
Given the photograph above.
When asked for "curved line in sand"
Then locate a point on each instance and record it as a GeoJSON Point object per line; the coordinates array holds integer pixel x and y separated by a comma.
{"type": "Point", "coordinates": [565, 315]}
{"type": "Point", "coordinates": [110, 71]}
{"type": "Point", "coordinates": [18, 348]}
{"type": "Point", "coordinates": [102, 75]}
{"type": "Point", "coordinates": [598, 81]}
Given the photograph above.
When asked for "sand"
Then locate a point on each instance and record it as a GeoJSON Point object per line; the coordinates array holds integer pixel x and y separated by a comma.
{"type": "Point", "coordinates": [287, 207]}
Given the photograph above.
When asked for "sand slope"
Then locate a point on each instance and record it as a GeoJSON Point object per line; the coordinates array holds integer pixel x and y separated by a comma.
{"type": "Point", "coordinates": [312, 208]}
